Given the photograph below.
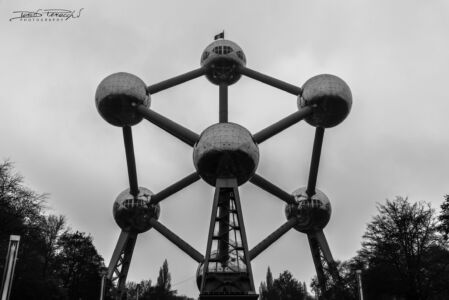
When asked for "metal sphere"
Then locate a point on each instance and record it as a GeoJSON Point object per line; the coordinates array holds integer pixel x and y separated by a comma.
{"type": "Point", "coordinates": [331, 98]}
{"type": "Point", "coordinates": [226, 150]}
{"type": "Point", "coordinates": [116, 95]}
{"type": "Point", "coordinates": [133, 214]}
{"type": "Point", "coordinates": [222, 58]}
{"type": "Point", "coordinates": [232, 265]}
{"type": "Point", "coordinates": [313, 213]}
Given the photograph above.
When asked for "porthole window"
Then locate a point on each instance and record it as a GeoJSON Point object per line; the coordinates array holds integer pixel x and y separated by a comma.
{"type": "Point", "coordinates": [241, 55]}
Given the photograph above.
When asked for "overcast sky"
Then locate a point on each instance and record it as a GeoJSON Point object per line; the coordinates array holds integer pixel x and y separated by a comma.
{"type": "Point", "coordinates": [392, 54]}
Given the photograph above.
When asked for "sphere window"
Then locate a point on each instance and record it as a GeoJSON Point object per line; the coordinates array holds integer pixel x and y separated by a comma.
{"type": "Point", "coordinates": [241, 55]}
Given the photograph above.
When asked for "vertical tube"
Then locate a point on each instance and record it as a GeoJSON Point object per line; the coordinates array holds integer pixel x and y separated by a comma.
{"type": "Point", "coordinates": [316, 256]}
{"type": "Point", "coordinates": [314, 164]}
{"type": "Point", "coordinates": [209, 238]}
{"type": "Point", "coordinates": [223, 105]}
{"type": "Point", "coordinates": [223, 227]}
{"type": "Point", "coordinates": [130, 161]}
{"type": "Point", "coordinates": [238, 207]}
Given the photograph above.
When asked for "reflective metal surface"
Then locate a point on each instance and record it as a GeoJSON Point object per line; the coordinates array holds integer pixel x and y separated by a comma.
{"type": "Point", "coordinates": [232, 265]}
{"type": "Point", "coordinates": [226, 150]}
{"type": "Point", "coordinates": [313, 213]}
{"type": "Point", "coordinates": [114, 97]}
{"type": "Point", "coordinates": [222, 59]}
{"type": "Point", "coordinates": [133, 214]}
{"type": "Point", "coordinates": [332, 98]}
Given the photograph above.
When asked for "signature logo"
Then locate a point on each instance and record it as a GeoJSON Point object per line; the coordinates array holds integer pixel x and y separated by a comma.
{"type": "Point", "coordinates": [55, 14]}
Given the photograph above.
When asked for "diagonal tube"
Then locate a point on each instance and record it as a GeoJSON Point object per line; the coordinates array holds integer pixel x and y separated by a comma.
{"type": "Point", "coordinates": [287, 87]}
{"type": "Point", "coordinates": [315, 162]}
{"type": "Point", "coordinates": [172, 237]}
{"type": "Point", "coordinates": [272, 189]}
{"type": "Point", "coordinates": [186, 135]}
{"type": "Point", "coordinates": [174, 188]}
{"type": "Point", "coordinates": [284, 123]}
{"type": "Point", "coordinates": [130, 160]}
{"type": "Point", "coordinates": [163, 85]}
{"type": "Point", "coordinates": [273, 237]}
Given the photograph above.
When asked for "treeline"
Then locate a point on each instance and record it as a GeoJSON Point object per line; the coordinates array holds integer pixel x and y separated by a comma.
{"type": "Point", "coordinates": [404, 255]}
{"type": "Point", "coordinates": [53, 262]}
{"type": "Point", "coordinates": [285, 287]}
{"type": "Point", "coordinates": [162, 290]}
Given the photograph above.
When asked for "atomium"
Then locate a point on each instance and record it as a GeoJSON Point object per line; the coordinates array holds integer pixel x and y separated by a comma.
{"type": "Point", "coordinates": [312, 213]}
{"type": "Point", "coordinates": [226, 150]}
{"type": "Point", "coordinates": [222, 59]}
{"type": "Point", "coordinates": [225, 155]}
{"type": "Point", "coordinates": [331, 98]}
{"type": "Point", "coordinates": [133, 214]}
{"type": "Point", "coordinates": [116, 95]}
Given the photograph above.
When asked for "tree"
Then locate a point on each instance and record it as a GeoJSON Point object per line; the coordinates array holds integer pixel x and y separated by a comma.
{"type": "Point", "coordinates": [79, 266]}
{"type": "Point", "coordinates": [46, 255]}
{"type": "Point", "coordinates": [285, 287]}
{"type": "Point", "coordinates": [399, 252]}
{"type": "Point", "coordinates": [161, 291]}
{"type": "Point", "coordinates": [133, 289]}
{"type": "Point", "coordinates": [52, 227]}
{"type": "Point", "coordinates": [444, 218]}
{"type": "Point", "coordinates": [289, 288]}
{"type": "Point", "coordinates": [267, 290]}
{"type": "Point", "coordinates": [21, 213]}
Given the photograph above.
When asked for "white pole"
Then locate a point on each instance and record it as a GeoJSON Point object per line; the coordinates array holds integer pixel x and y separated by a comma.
{"type": "Point", "coordinates": [10, 264]}
{"type": "Point", "coordinates": [359, 283]}
{"type": "Point", "coordinates": [103, 281]}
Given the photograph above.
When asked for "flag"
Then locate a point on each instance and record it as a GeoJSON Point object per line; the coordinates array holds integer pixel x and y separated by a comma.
{"type": "Point", "coordinates": [219, 36]}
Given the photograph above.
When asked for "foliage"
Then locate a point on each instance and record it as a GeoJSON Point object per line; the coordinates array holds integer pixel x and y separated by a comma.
{"type": "Point", "coordinates": [285, 287]}
{"type": "Point", "coordinates": [402, 254]}
{"type": "Point", "coordinates": [443, 227]}
{"type": "Point", "coordinates": [46, 247]}
{"type": "Point", "coordinates": [79, 266]}
{"type": "Point", "coordinates": [161, 291]}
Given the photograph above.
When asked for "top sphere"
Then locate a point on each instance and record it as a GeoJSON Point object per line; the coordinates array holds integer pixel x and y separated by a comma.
{"type": "Point", "coordinates": [331, 98]}
{"type": "Point", "coordinates": [116, 95]}
{"type": "Point", "coordinates": [222, 59]}
{"type": "Point", "coordinates": [133, 214]}
{"type": "Point", "coordinates": [313, 213]}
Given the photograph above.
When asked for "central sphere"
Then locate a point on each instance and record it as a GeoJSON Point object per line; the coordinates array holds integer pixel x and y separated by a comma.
{"type": "Point", "coordinates": [226, 150]}
{"type": "Point", "coordinates": [222, 59]}
{"type": "Point", "coordinates": [313, 213]}
{"type": "Point", "coordinates": [133, 214]}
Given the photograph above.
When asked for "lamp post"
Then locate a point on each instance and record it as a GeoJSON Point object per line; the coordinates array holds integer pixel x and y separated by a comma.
{"type": "Point", "coordinates": [359, 283]}
{"type": "Point", "coordinates": [8, 274]}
